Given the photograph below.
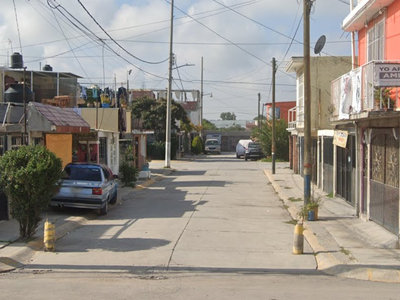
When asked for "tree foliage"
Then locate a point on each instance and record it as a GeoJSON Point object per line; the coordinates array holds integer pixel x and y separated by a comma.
{"type": "Point", "coordinates": [129, 171]}
{"type": "Point", "coordinates": [234, 127]}
{"type": "Point", "coordinates": [207, 125]}
{"type": "Point", "coordinates": [29, 176]}
{"type": "Point", "coordinates": [228, 116]}
{"type": "Point", "coordinates": [197, 145]}
{"type": "Point", "coordinates": [264, 137]}
{"type": "Point", "coordinates": [153, 112]}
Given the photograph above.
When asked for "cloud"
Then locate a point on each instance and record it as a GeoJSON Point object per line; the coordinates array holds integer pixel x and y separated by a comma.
{"type": "Point", "coordinates": [237, 43]}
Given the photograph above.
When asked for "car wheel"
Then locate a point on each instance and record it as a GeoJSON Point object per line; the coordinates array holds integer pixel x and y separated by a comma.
{"type": "Point", "coordinates": [205, 152]}
{"type": "Point", "coordinates": [245, 158]}
{"type": "Point", "coordinates": [237, 155]}
{"type": "Point", "coordinates": [114, 198]}
{"type": "Point", "coordinates": [56, 208]}
{"type": "Point", "coordinates": [104, 209]}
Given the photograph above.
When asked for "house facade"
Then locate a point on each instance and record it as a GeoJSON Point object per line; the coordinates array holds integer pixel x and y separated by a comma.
{"type": "Point", "coordinates": [323, 70]}
{"type": "Point", "coordinates": [365, 110]}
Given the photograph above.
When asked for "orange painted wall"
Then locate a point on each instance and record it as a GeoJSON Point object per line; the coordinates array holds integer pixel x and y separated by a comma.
{"type": "Point", "coordinates": [392, 33]}
{"type": "Point", "coordinates": [284, 107]}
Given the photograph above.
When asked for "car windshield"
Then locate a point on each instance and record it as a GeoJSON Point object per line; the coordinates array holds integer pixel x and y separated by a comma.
{"type": "Point", "coordinates": [86, 174]}
{"type": "Point", "coordinates": [212, 142]}
{"type": "Point", "coordinates": [254, 145]}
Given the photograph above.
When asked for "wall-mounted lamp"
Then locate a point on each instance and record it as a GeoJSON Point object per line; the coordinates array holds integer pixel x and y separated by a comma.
{"type": "Point", "coordinates": [366, 24]}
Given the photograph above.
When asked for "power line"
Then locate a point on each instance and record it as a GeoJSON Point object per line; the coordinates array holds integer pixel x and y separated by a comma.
{"type": "Point", "coordinates": [127, 52]}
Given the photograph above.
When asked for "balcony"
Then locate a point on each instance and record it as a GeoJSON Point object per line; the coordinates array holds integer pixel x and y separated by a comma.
{"type": "Point", "coordinates": [296, 118]}
{"type": "Point", "coordinates": [373, 87]}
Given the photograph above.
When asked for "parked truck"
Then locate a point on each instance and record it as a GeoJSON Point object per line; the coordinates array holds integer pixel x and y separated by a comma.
{"type": "Point", "coordinates": [214, 136]}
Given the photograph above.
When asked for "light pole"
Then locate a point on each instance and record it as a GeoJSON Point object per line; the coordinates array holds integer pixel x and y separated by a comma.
{"type": "Point", "coordinates": [127, 84]}
{"type": "Point", "coordinates": [168, 117]}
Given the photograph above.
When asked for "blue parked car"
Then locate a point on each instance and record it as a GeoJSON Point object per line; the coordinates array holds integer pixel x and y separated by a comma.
{"type": "Point", "coordinates": [86, 185]}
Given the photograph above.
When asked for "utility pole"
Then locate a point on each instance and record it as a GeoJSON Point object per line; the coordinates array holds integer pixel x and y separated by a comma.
{"type": "Point", "coordinates": [201, 100]}
{"type": "Point", "coordinates": [273, 115]}
{"type": "Point", "coordinates": [168, 117]}
{"type": "Point", "coordinates": [258, 118]}
{"type": "Point", "coordinates": [307, 103]}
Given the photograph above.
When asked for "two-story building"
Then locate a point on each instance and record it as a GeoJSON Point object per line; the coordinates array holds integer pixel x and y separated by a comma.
{"type": "Point", "coordinates": [365, 111]}
{"type": "Point", "coordinates": [323, 70]}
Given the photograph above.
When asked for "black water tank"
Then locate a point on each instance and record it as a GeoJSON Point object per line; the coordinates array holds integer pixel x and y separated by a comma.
{"type": "Point", "coordinates": [47, 68]}
{"type": "Point", "coordinates": [15, 94]}
{"type": "Point", "coordinates": [16, 61]}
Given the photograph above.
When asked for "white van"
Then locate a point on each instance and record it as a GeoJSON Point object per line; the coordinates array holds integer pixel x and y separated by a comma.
{"type": "Point", "coordinates": [241, 147]}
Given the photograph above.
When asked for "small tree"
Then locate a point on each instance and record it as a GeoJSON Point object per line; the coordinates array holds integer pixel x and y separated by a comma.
{"type": "Point", "coordinates": [29, 176]}
{"type": "Point", "coordinates": [129, 171]}
{"type": "Point", "coordinates": [197, 145]}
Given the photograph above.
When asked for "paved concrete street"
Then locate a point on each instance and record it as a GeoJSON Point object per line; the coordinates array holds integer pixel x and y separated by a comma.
{"type": "Point", "coordinates": [216, 214]}
{"type": "Point", "coordinates": [214, 228]}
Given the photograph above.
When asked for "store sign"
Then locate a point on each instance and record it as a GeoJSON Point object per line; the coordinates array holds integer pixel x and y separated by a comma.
{"type": "Point", "coordinates": [387, 74]}
{"type": "Point", "coordinates": [340, 138]}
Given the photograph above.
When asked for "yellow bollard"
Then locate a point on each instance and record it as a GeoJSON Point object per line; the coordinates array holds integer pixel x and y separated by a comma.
{"type": "Point", "coordinates": [298, 239]}
{"type": "Point", "coordinates": [49, 236]}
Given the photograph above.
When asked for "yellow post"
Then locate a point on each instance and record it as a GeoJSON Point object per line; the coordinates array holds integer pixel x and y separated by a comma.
{"type": "Point", "coordinates": [49, 236]}
{"type": "Point", "coordinates": [298, 239]}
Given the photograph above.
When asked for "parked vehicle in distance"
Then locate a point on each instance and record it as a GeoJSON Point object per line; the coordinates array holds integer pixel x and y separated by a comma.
{"type": "Point", "coordinates": [86, 185]}
{"type": "Point", "coordinates": [248, 149]}
{"type": "Point", "coordinates": [253, 151]}
{"type": "Point", "coordinates": [241, 147]}
{"type": "Point", "coordinates": [212, 146]}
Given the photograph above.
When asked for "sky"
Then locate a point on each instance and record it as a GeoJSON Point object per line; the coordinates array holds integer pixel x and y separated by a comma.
{"type": "Point", "coordinates": [102, 40]}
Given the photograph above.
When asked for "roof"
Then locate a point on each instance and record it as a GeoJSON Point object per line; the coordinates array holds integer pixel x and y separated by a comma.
{"type": "Point", "coordinates": [63, 119]}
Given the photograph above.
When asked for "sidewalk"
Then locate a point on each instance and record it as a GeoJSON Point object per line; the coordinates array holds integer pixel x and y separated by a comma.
{"type": "Point", "coordinates": [14, 254]}
{"type": "Point", "coordinates": [344, 244]}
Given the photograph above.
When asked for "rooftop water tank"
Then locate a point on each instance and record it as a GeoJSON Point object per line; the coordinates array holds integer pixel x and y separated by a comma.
{"type": "Point", "coordinates": [15, 94]}
{"type": "Point", "coordinates": [47, 68]}
{"type": "Point", "coordinates": [16, 61]}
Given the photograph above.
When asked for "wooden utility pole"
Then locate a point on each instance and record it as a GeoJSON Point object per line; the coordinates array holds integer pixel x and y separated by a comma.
{"type": "Point", "coordinates": [168, 117]}
{"type": "Point", "coordinates": [307, 103]}
{"type": "Point", "coordinates": [273, 115]}
{"type": "Point", "coordinates": [259, 123]}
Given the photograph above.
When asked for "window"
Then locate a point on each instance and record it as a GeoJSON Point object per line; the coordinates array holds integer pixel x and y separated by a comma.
{"type": "Point", "coordinates": [16, 142]}
{"type": "Point", "coordinates": [375, 42]}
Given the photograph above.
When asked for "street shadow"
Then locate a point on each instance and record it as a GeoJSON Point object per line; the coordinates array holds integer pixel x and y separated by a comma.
{"type": "Point", "coordinates": [113, 245]}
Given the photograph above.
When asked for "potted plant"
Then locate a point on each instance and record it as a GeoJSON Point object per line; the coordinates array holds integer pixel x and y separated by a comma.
{"type": "Point", "coordinates": [313, 205]}
{"type": "Point", "coordinates": [302, 214]}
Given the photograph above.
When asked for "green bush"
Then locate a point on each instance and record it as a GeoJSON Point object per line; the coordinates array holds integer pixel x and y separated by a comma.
{"type": "Point", "coordinates": [128, 170]}
{"type": "Point", "coordinates": [197, 145]}
{"type": "Point", "coordinates": [29, 176]}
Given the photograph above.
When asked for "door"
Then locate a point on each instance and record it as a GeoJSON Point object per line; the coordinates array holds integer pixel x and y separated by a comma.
{"type": "Point", "coordinates": [346, 164]}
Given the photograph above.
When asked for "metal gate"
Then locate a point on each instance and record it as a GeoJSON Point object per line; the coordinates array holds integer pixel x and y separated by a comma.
{"type": "Point", "coordinates": [328, 164]}
{"type": "Point", "coordinates": [384, 186]}
{"type": "Point", "coordinates": [346, 164]}
{"type": "Point", "coordinates": [103, 150]}
{"type": "Point", "coordinates": [314, 149]}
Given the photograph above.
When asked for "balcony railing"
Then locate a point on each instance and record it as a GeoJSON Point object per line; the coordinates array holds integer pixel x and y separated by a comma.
{"type": "Point", "coordinates": [372, 87]}
{"type": "Point", "coordinates": [296, 117]}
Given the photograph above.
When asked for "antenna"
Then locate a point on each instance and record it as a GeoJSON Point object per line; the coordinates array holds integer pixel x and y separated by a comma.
{"type": "Point", "coordinates": [320, 44]}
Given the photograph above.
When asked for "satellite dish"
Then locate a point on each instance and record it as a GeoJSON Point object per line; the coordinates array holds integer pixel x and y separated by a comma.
{"type": "Point", "coordinates": [320, 44]}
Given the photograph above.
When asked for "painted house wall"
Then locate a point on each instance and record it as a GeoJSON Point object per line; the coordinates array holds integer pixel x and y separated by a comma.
{"type": "Point", "coordinates": [392, 31]}
{"type": "Point", "coordinates": [392, 35]}
{"type": "Point", "coordinates": [107, 118]}
{"type": "Point", "coordinates": [323, 71]}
